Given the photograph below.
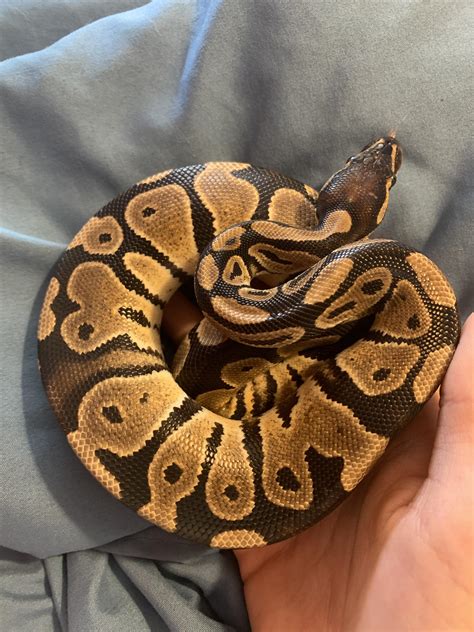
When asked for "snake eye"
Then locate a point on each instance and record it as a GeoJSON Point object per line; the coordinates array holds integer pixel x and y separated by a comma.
{"type": "Point", "coordinates": [393, 182]}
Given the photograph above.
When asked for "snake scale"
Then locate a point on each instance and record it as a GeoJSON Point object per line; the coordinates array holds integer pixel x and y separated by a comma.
{"type": "Point", "coordinates": [317, 345]}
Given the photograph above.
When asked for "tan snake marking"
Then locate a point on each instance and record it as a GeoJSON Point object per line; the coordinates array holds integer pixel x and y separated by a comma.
{"type": "Point", "coordinates": [282, 398]}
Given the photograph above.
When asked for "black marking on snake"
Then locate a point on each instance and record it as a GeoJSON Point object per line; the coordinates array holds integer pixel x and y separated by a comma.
{"type": "Point", "coordinates": [381, 374]}
{"type": "Point", "coordinates": [341, 309]}
{"type": "Point", "coordinates": [85, 331]}
{"type": "Point", "coordinates": [257, 292]}
{"type": "Point", "coordinates": [202, 218]}
{"type": "Point", "coordinates": [246, 369]}
{"type": "Point", "coordinates": [172, 473]}
{"type": "Point", "coordinates": [372, 287]}
{"type": "Point", "coordinates": [258, 406]}
{"type": "Point", "coordinates": [231, 492]}
{"type": "Point", "coordinates": [270, 390]}
{"type": "Point", "coordinates": [295, 376]}
{"type": "Point", "coordinates": [272, 256]}
{"type": "Point", "coordinates": [240, 409]}
{"type": "Point", "coordinates": [134, 314]}
{"type": "Point", "coordinates": [285, 408]}
{"type": "Point", "coordinates": [287, 479]}
{"type": "Point", "coordinates": [112, 414]}
{"type": "Point", "coordinates": [414, 322]}
{"type": "Point", "coordinates": [236, 271]}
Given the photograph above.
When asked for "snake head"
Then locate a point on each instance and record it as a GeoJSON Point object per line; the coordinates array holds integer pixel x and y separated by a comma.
{"type": "Point", "coordinates": [381, 157]}
{"type": "Point", "coordinates": [363, 185]}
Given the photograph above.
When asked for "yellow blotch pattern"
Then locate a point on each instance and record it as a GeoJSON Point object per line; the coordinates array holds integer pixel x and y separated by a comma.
{"type": "Point", "coordinates": [432, 280]}
{"type": "Point", "coordinates": [231, 200]}
{"type": "Point", "coordinates": [404, 315]}
{"type": "Point", "coordinates": [377, 368]}
{"type": "Point", "coordinates": [138, 405]}
{"type": "Point", "coordinates": [236, 272]}
{"type": "Point", "coordinates": [98, 319]}
{"type": "Point", "coordinates": [234, 312]}
{"type": "Point", "coordinates": [237, 539]}
{"type": "Point", "coordinates": [230, 488]}
{"type": "Point", "coordinates": [100, 236]}
{"type": "Point", "coordinates": [357, 301]}
{"type": "Point", "coordinates": [331, 429]}
{"type": "Point", "coordinates": [207, 273]}
{"type": "Point", "coordinates": [432, 370]}
{"type": "Point", "coordinates": [163, 216]}
{"type": "Point", "coordinates": [328, 281]}
{"type": "Point", "coordinates": [173, 473]}
{"type": "Point", "coordinates": [291, 207]}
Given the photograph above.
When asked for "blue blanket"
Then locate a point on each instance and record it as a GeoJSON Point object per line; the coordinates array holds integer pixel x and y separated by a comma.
{"type": "Point", "coordinates": [97, 95]}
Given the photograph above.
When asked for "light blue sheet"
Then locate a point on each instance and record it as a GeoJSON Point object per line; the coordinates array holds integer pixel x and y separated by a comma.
{"type": "Point", "coordinates": [97, 95]}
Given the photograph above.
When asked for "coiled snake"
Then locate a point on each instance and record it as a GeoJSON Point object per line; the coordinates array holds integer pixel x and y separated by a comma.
{"type": "Point", "coordinates": [317, 345]}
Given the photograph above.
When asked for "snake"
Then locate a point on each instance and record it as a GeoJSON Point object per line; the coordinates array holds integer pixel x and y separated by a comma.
{"type": "Point", "coordinates": [317, 344]}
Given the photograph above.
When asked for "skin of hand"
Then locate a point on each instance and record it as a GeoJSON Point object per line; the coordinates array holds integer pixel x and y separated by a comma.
{"type": "Point", "coordinates": [398, 554]}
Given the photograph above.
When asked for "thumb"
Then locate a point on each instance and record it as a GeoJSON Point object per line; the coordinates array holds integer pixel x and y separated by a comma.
{"type": "Point", "coordinates": [452, 458]}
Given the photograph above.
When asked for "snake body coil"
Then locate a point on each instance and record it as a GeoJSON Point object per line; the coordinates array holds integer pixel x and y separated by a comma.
{"type": "Point", "coordinates": [317, 345]}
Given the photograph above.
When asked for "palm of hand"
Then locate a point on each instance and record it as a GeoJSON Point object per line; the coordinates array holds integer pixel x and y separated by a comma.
{"type": "Point", "coordinates": [398, 553]}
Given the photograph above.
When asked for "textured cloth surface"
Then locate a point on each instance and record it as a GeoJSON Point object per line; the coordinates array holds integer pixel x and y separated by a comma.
{"type": "Point", "coordinates": [95, 96]}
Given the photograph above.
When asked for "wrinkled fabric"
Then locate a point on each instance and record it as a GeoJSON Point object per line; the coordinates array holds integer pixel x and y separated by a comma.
{"type": "Point", "coordinates": [96, 96]}
{"type": "Point", "coordinates": [115, 588]}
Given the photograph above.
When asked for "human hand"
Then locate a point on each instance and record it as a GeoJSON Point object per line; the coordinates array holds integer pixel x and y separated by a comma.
{"type": "Point", "coordinates": [398, 553]}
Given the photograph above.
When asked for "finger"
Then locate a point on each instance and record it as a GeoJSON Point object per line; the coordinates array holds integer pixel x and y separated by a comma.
{"type": "Point", "coordinates": [179, 317]}
{"type": "Point", "coordinates": [454, 444]}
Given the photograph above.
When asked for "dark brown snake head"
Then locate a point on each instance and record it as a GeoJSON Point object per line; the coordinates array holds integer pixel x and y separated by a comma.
{"type": "Point", "coordinates": [362, 186]}
{"type": "Point", "coordinates": [383, 155]}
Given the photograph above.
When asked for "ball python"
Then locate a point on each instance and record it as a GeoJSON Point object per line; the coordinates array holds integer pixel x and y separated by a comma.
{"type": "Point", "coordinates": [317, 344]}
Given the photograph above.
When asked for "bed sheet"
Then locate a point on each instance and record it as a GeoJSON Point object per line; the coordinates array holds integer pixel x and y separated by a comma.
{"type": "Point", "coordinates": [96, 96]}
